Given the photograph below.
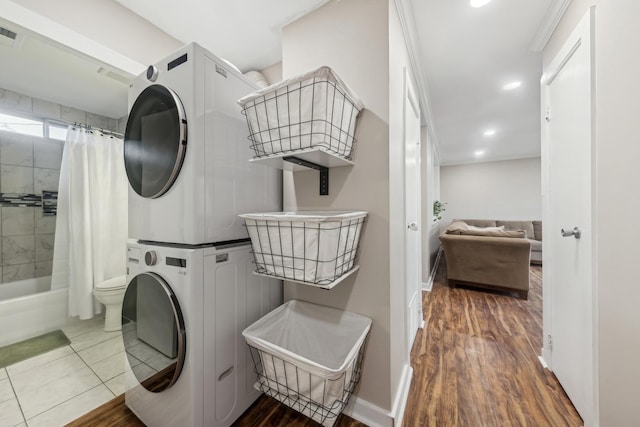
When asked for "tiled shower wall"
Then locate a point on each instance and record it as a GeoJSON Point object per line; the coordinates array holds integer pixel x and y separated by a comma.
{"type": "Point", "coordinates": [29, 165]}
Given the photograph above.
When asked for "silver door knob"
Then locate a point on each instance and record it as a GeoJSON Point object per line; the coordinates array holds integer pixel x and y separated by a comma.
{"type": "Point", "coordinates": [413, 226]}
{"type": "Point", "coordinates": [568, 233]}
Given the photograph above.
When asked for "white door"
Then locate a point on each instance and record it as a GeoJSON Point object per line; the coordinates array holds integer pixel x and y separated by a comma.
{"type": "Point", "coordinates": [412, 209]}
{"type": "Point", "coordinates": [568, 141]}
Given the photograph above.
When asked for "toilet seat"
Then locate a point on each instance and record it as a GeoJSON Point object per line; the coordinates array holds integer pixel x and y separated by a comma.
{"type": "Point", "coordinates": [108, 292]}
{"type": "Point", "coordinates": [114, 284]}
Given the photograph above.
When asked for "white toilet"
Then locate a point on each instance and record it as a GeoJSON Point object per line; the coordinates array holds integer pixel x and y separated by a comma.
{"type": "Point", "coordinates": [111, 293]}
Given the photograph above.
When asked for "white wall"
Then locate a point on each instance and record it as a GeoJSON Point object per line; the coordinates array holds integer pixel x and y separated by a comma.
{"type": "Point", "coordinates": [362, 41]}
{"type": "Point", "coordinates": [351, 37]}
{"type": "Point", "coordinates": [508, 190]}
{"type": "Point", "coordinates": [616, 201]}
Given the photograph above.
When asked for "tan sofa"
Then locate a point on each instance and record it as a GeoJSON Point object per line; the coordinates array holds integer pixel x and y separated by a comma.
{"type": "Point", "coordinates": [532, 228]}
{"type": "Point", "coordinates": [489, 257]}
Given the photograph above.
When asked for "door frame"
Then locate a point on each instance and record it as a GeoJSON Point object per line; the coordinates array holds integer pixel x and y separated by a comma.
{"type": "Point", "coordinates": [583, 35]}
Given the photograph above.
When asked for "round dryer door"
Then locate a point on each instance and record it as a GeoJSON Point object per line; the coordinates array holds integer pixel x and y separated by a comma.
{"type": "Point", "coordinates": [155, 141]}
{"type": "Point", "coordinates": [153, 332]}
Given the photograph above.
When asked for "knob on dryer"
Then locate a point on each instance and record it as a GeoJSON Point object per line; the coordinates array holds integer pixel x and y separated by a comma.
{"type": "Point", "coordinates": [152, 73]}
{"type": "Point", "coordinates": [151, 258]}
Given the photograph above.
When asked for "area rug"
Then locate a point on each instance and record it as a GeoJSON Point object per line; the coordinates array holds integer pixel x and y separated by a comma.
{"type": "Point", "coordinates": [32, 347]}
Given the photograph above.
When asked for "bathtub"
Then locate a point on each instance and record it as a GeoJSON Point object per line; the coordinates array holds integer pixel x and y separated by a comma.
{"type": "Point", "coordinates": [28, 309]}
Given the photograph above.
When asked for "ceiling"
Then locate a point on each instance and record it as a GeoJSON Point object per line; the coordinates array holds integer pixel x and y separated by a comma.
{"type": "Point", "coordinates": [38, 67]}
{"type": "Point", "coordinates": [466, 56]}
{"type": "Point", "coordinates": [251, 41]}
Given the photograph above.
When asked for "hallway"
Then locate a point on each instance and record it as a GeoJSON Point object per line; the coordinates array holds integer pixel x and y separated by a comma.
{"type": "Point", "coordinates": [476, 362]}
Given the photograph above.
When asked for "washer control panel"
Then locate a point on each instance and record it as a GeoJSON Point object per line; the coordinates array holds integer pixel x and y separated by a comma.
{"type": "Point", "coordinates": [152, 258]}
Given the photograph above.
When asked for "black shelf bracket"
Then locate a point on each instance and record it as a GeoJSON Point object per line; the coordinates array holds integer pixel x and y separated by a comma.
{"type": "Point", "coordinates": [324, 172]}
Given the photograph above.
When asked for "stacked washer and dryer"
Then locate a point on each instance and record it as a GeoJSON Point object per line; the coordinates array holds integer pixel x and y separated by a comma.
{"type": "Point", "coordinates": [190, 289]}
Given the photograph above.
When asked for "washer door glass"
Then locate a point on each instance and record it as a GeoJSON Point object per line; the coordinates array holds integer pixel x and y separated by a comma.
{"type": "Point", "coordinates": [153, 332]}
{"type": "Point", "coordinates": [155, 141]}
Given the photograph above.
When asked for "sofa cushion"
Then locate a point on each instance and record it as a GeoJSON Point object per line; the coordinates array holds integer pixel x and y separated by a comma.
{"type": "Point", "coordinates": [456, 226]}
{"type": "Point", "coordinates": [493, 232]}
{"type": "Point", "coordinates": [537, 230]}
{"type": "Point", "coordinates": [480, 222]}
{"type": "Point", "coordinates": [527, 226]}
{"type": "Point", "coordinates": [536, 245]}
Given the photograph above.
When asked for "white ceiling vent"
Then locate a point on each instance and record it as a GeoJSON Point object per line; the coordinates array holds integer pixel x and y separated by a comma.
{"type": "Point", "coordinates": [8, 37]}
{"type": "Point", "coordinates": [115, 76]}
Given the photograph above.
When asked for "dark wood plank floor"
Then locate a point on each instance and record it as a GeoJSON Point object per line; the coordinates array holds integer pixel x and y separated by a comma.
{"type": "Point", "coordinates": [113, 414]}
{"type": "Point", "coordinates": [267, 412]}
{"type": "Point", "coordinates": [475, 364]}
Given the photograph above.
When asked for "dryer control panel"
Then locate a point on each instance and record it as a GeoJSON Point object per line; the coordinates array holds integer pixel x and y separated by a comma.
{"type": "Point", "coordinates": [150, 258]}
{"type": "Point", "coordinates": [177, 262]}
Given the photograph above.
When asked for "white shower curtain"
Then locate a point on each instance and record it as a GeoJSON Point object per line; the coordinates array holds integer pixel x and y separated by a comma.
{"type": "Point", "coordinates": [91, 225]}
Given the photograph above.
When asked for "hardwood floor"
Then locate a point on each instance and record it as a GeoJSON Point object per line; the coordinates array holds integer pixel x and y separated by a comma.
{"type": "Point", "coordinates": [112, 414]}
{"type": "Point", "coordinates": [475, 364]}
{"type": "Point", "coordinates": [267, 412]}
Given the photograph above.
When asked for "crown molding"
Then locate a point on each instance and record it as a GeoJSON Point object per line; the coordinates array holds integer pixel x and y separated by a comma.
{"type": "Point", "coordinates": [549, 23]}
{"type": "Point", "coordinates": [405, 13]}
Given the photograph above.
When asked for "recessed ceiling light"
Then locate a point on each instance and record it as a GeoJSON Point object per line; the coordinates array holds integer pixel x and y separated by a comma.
{"type": "Point", "coordinates": [489, 132]}
{"type": "Point", "coordinates": [512, 85]}
{"type": "Point", "coordinates": [478, 153]}
{"type": "Point", "coordinates": [478, 3]}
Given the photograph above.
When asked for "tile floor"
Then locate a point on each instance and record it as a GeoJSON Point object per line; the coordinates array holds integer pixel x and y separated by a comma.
{"type": "Point", "coordinates": [59, 386]}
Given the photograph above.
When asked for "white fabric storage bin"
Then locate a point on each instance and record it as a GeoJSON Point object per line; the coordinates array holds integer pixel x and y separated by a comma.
{"type": "Point", "coordinates": [315, 109]}
{"type": "Point", "coordinates": [309, 357]}
{"type": "Point", "coordinates": [312, 247]}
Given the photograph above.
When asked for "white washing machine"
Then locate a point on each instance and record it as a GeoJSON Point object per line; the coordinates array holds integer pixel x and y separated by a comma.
{"type": "Point", "coordinates": [183, 314]}
{"type": "Point", "coordinates": [187, 153]}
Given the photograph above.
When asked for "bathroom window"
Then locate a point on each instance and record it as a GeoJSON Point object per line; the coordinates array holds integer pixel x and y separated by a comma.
{"type": "Point", "coordinates": [21, 125]}
{"type": "Point", "coordinates": [57, 131]}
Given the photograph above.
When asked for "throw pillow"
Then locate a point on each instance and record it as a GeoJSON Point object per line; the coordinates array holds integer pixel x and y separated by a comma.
{"type": "Point", "coordinates": [527, 226]}
{"type": "Point", "coordinates": [456, 226]}
{"type": "Point", "coordinates": [471, 227]}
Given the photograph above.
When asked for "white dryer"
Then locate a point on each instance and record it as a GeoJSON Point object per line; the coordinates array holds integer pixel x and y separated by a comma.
{"type": "Point", "coordinates": [183, 315]}
{"type": "Point", "coordinates": [187, 153]}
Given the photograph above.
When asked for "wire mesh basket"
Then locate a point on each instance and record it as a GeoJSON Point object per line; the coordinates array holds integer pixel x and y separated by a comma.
{"type": "Point", "coordinates": [309, 357]}
{"type": "Point", "coordinates": [314, 248]}
{"type": "Point", "coordinates": [314, 110]}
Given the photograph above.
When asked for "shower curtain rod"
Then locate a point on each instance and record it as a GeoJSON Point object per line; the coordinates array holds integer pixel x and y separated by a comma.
{"type": "Point", "coordinates": [94, 128]}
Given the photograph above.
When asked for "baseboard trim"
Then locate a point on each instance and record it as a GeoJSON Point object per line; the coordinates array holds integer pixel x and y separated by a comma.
{"type": "Point", "coordinates": [542, 362]}
{"type": "Point", "coordinates": [400, 404]}
{"type": "Point", "coordinates": [368, 413]}
{"type": "Point", "coordinates": [432, 275]}
{"type": "Point", "coordinates": [374, 416]}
